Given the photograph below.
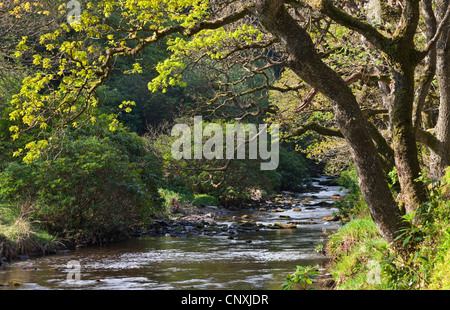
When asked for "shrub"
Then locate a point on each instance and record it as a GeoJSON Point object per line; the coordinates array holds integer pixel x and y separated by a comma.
{"type": "Point", "coordinates": [204, 200]}
{"type": "Point", "coordinates": [99, 184]}
{"type": "Point", "coordinates": [18, 235]}
{"type": "Point", "coordinates": [446, 184]}
{"type": "Point", "coordinates": [208, 176]}
{"type": "Point", "coordinates": [293, 170]}
{"type": "Point", "coordinates": [231, 180]}
{"type": "Point", "coordinates": [302, 277]}
{"type": "Point", "coordinates": [440, 275]}
{"type": "Point", "coordinates": [424, 261]}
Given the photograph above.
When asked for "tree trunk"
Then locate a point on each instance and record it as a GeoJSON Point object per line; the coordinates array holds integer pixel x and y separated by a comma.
{"type": "Point", "coordinates": [305, 62]}
{"type": "Point", "coordinates": [402, 58]}
{"type": "Point", "coordinates": [441, 159]}
{"type": "Point", "coordinates": [403, 138]}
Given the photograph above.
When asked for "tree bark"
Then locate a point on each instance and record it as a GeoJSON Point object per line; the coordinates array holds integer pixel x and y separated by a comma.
{"type": "Point", "coordinates": [441, 158]}
{"type": "Point", "coordinates": [404, 139]}
{"type": "Point", "coordinates": [403, 60]}
{"type": "Point", "coordinates": [402, 57]}
{"type": "Point", "coordinates": [306, 63]}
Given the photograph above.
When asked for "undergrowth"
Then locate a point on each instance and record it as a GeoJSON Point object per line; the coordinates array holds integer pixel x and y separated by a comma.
{"type": "Point", "coordinates": [21, 236]}
{"type": "Point", "coordinates": [361, 259]}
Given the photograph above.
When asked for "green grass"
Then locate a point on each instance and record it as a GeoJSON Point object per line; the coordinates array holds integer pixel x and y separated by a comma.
{"type": "Point", "coordinates": [356, 250]}
{"type": "Point", "coordinates": [440, 275]}
{"type": "Point", "coordinates": [204, 200]}
{"type": "Point", "coordinates": [181, 201]}
{"type": "Point", "coordinates": [20, 236]}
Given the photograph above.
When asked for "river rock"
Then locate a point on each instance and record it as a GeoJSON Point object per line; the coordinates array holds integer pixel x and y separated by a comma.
{"type": "Point", "coordinates": [3, 261]}
{"type": "Point", "coordinates": [330, 218]}
{"type": "Point", "coordinates": [189, 227]}
{"type": "Point", "coordinates": [297, 209]}
{"type": "Point", "coordinates": [279, 225]}
{"type": "Point", "coordinates": [12, 283]}
{"type": "Point", "coordinates": [247, 224]}
{"type": "Point", "coordinates": [302, 223]}
{"type": "Point", "coordinates": [284, 217]}
{"type": "Point", "coordinates": [277, 210]}
{"type": "Point", "coordinates": [337, 197]}
{"type": "Point", "coordinates": [329, 182]}
{"type": "Point", "coordinates": [322, 203]}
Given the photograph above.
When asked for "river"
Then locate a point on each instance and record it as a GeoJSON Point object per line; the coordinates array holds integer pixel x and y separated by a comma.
{"type": "Point", "coordinates": [258, 260]}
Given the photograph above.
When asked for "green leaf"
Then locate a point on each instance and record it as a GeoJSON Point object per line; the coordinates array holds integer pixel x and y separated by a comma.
{"type": "Point", "coordinates": [406, 240]}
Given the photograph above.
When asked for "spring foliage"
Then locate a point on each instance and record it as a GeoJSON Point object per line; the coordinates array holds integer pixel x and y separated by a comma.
{"type": "Point", "coordinates": [98, 184]}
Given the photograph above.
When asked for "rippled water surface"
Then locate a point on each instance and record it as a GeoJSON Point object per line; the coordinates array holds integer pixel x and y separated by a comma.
{"type": "Point", "coordinates": [257, 260]}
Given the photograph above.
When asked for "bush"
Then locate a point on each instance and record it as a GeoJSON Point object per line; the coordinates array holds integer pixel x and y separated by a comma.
{"type": "Point", "coordinates": [293, 170]}
{"type": "Point", "coordinates": [446, 184]}
{"type": "Point", "coordinates": [238, 181]}
{"type": "Point", "coordinates": [99, 184]}
{"type": "Point", "coordinates": [19, 236]}
{"type": "Point", "coordinates": [354, 204]}
{"type": "Point", "coordinates": [440, 275]}
{"type": "Point", "coordinates": [204, 200]}
{"type": "Point", "coordinates": [241, 180]}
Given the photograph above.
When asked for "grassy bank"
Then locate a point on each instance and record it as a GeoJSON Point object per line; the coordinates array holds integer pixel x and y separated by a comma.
{"type": "Point", "coordinates": [20, 236]}
{"type": "Point", "coordinates": [361, 259]}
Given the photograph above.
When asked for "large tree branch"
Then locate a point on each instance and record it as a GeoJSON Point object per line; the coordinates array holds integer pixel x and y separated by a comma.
{"type": "Point", "coordinates": [160, 34]}
{"type": "Point", "coordinates": [349, 80]}
{"type": "Point", "coordinates": [219, 22]}
{"type": "Point", "coordinates": [427, 138]}
{"type": "Point", "coordinates": [322, 130]}
{"type": "Point", "coordinates": [384, 150]}
{"type": "Point", "coordinates": [408, 23]}
{"type": "Point", "coordinates": [432, 42]}
{"type": "Point", "coordinates": [341, 17]}
{"type": "Point", "coordinates": [430, 69]}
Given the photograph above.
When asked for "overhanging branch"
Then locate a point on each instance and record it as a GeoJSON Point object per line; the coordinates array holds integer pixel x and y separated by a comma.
{"type": "Point", "coordinates": [326, 131]}
{"type": "Point", "coordinates": [349, 80]}
{"type": "Point", "coordinates": [327, 8]}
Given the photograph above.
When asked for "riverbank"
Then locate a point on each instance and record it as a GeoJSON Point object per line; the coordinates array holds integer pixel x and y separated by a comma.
{"type": "Point", "coordinates": [361, 259]}
{"type": "Point", "coordinates": [20, 238]}
{"type": "Point", "coordinates": [215, 220]}
{"type": "Point", "coordinates": [286, 215]}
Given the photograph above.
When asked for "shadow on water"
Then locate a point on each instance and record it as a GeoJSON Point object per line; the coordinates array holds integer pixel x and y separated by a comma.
{"type": "Point", "coordinates": [255, 260]}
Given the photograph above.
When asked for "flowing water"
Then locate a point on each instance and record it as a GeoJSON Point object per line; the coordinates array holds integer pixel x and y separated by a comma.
{"type": "Point", "coordinates": [254, 260]}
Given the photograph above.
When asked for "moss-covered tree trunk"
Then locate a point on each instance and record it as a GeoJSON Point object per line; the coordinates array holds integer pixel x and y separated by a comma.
{"type": "Point", "coordinates": [441, 156]}
{"type": "Point", "coordinates": [306, 63]}
{"type": "Point", "coordinates": [403, 137]}
{"type": "Point", "coordinates": [403, 60]}
{"type": "Point", "coordinates": [402, 57]}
